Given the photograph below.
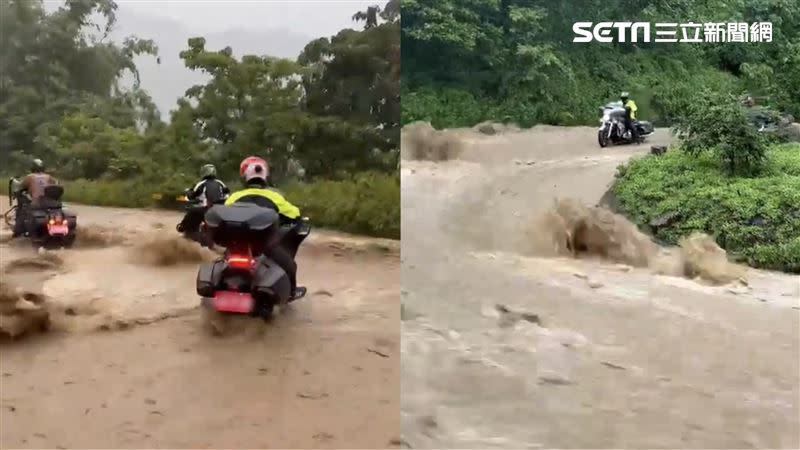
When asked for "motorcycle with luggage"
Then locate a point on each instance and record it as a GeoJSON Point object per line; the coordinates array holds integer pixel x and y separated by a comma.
{"type": "Point", "coordinates": [48, 224]}
{"type": "Point", "coordinates": [244, 281]}
{"type": "Point", "coordinates": [612, 130]}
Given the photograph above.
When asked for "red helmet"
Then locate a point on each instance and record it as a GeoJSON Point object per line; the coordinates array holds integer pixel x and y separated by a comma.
{"type": "Point", "coordinates": [254, 167]}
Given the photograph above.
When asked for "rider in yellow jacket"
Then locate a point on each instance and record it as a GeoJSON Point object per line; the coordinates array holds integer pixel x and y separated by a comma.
{"type": "Point", "coordinates": [255, 172]}
{"type": "Point", "coordinates": [630, 115]}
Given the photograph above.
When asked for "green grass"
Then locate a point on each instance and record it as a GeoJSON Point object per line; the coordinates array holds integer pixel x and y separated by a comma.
{"type": "Point", "coordinates": [368, 203]}
{"type": "Point", "coordinates": [757, 219]}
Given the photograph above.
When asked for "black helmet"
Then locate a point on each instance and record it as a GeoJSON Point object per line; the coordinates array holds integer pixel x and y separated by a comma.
{"type": "Point", "coordinates": [37, 165]}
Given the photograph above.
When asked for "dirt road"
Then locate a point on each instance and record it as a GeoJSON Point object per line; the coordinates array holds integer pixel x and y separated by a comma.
{"type": "Point", "coordinates": [620, 357]}
{"type": "Point", "coordinates": [324, 374]}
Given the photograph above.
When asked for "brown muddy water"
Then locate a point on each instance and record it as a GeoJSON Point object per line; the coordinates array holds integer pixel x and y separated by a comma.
{"type": "Point", "coordinates": [128, 361]}
{"type": "Point", "coordinates": [533, 319]}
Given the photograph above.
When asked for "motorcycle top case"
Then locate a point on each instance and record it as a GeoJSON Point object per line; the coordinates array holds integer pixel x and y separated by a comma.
{"type": "Point", "coordinates": [240, 222]}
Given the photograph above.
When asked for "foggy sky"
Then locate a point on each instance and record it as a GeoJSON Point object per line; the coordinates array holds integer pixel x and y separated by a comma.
{"type": "Point", "coordinates": [310, 17]}
{"type": "Point", "coordinates": [274, 27]}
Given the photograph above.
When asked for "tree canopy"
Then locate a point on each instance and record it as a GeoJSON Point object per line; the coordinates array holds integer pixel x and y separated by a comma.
{"type": "Point", "coordinates": [334, 111]}
{"type": "Point", "coordinates": [465, 61]}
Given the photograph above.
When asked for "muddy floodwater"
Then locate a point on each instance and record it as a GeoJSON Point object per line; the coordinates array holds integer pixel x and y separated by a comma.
{"type": "Point", "coordinates": [508, 341]}
{"type": "Point", "coordinates": [129, 362]}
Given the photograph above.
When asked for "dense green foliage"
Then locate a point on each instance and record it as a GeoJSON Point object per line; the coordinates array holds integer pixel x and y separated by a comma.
{"type": "Point", "coordinates": [367, 203]}
{"type": "Point", "coordinates": [720, 124]}
{"type": "Point", "coordinates": [330, 115]}
{"type": "Point", "coordinates": [466, 61]}
{"type": "Point", "coordinates": [756, 219]}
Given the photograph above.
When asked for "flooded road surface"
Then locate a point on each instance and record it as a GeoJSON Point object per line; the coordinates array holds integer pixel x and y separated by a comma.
{"type": "Point", "coordinates": [580, 353]}
{"type": "Point", "coordinates": [129, 362]}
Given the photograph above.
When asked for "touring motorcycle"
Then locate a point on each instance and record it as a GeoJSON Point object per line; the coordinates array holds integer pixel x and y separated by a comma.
{"type": "Point", "coordinates": [48, 225]}
{"type": "Point", "coordinates": [244, 280]}
{"type": "Point", "coordinates": [612, 129]}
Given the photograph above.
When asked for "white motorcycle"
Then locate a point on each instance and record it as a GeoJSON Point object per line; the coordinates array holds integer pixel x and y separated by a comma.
{"type": "Point", "coordinates": [612, 129]}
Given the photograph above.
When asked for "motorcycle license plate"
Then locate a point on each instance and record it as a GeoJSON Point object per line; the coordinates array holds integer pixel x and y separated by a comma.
{"type": "Point", "coordinates": [57, 230]}
{"type": "Point", "coordinates": [234, 302]}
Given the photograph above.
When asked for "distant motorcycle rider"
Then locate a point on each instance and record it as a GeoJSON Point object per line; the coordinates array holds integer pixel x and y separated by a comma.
{"type": "Point", "coordinates": [33, 185]}
{"type": "Point", "coordinates": [209, 191]}
{"type": "Point", "coordinates": [255, 172]}
{"type": "Point", "coordinates": [630, 116]}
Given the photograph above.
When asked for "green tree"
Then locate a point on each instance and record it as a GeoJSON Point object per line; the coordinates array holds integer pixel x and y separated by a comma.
{"type": "Point", "coordinates": [54, 66]}
{"type": "Point", "coordinates": [467, 61]}
{"type": "Point", "coordinates": [720, 124]}
{"type": "Point", "coordinates": [353, 92]}
{"type": "Point", "coordinates": [248, 106]}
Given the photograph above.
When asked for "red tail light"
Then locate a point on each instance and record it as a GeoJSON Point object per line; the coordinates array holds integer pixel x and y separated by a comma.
{"type": "Point", "coordinates": [241, 262]}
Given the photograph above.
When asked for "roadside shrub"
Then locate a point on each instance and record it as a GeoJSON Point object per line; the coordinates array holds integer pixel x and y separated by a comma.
{"type": "Point", "coordinates": [755, 219]}
{"type": "Point", "coordinates": [368, 203]}
{"type": "Point", "coordinates": [720, 124]}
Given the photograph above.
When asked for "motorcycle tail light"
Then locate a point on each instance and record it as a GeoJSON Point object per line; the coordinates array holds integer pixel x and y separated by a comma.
{"type": "Point", "coordinates": [241, 262]}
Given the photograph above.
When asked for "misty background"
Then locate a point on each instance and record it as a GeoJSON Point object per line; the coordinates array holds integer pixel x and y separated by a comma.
{"type": "Point", "coordinates": [261, 27]}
